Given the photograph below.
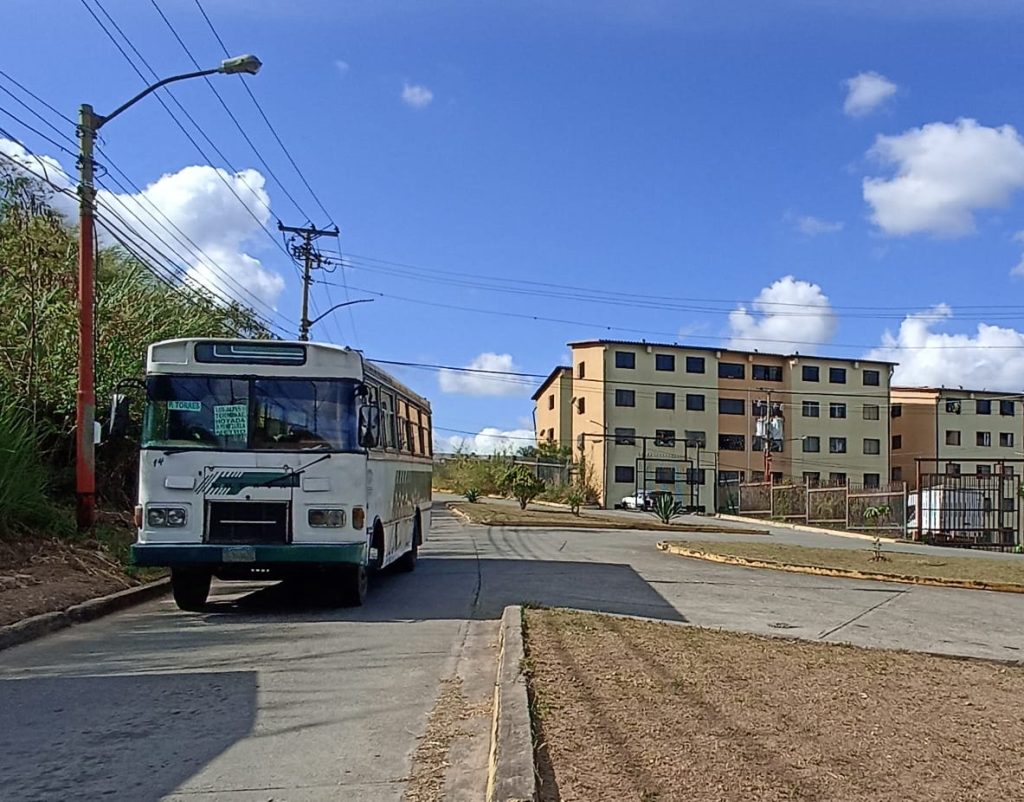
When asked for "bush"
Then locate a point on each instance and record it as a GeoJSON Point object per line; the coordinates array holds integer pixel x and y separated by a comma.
{"type": "Point", "coordinates": [24, 479]}
{"type": "Point", "coordinates": [520, 483]}
{"type": "Point", "coordinates": [665, 507]}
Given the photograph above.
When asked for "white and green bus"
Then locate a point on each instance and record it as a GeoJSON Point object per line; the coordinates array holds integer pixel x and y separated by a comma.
{"type": "Point", "coordinates": [277, 460]}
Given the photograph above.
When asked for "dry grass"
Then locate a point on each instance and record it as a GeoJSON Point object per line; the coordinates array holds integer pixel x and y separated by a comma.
{"type": "Point", "coordinates": [640, 711]}
{"type": "Point", "coordinates": [982, 571]}
{"type": "Point", "coordinates": [490, 514]}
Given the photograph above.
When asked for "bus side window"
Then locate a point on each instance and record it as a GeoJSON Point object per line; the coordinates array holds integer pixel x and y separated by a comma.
{"type": "Point", "coordinates": [412, 426]}
{"type": "Point", "coordinates": [403, 432]}
{"type": "Point", "coordinates": [427, 444]}
{"type": "Point", "coordinates": [387, 412]}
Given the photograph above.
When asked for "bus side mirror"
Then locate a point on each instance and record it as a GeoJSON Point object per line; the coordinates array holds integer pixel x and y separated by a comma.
{"type": "Point", "coordinates": [118, 416]}
{"type": "Point", "coordinates": [369, 426]}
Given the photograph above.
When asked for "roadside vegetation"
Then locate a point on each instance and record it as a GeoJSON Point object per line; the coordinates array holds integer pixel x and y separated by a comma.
{"type": "Point", "coordinates": [639, 710]}
{"type": "Point", "coordinates": [38, 371]}
{"type": "Point", "coordinates": [871, 559]}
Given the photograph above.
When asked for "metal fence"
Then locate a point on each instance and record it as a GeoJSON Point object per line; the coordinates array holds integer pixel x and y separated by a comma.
{"type": "Point", "coordinates": [842, 506]}
{"type": "Point", "coordinates": [968, 511]}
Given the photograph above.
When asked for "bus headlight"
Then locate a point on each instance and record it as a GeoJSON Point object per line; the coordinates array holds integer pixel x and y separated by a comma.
{"type": "Point", "coordinates": [157, 517]}
{"type": "Point", "coordinates": [333, 519]}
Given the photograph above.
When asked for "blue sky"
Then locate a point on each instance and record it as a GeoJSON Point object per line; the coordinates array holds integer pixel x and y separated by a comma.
{"type": "Point", "coordinates": [669, 150]}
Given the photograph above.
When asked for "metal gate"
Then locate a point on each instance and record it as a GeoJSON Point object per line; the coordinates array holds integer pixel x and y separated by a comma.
{"type": "Point", "coordinates": [970, 511]}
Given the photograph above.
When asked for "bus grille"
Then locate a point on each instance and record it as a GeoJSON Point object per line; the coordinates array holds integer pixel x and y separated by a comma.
{"type": "Point", "coordinates": [247, 522]}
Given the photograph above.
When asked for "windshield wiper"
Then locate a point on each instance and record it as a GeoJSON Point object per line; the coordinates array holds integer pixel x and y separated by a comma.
{"type": "Point", "coordinates": [293, 474]}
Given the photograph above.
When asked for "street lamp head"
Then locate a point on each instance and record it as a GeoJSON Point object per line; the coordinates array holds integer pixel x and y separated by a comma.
{"type": "Point", "coordinates": [248, 64]}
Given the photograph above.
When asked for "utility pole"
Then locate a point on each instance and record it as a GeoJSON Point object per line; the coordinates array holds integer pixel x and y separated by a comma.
{"type": "Point", "coordinates": [309, 255]}
{"type": "Point", "coordinates": [85, 408]}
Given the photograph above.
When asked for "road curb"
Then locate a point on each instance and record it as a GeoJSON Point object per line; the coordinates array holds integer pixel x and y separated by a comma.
{"type": "Point", "coordinates": [796, 568]}
{"type": "Point", "coordinates": [814, 530]}
{"type": "Point", "coordinates": [45, 623]}
{"type": "Point", "coordinates": [510, 776]}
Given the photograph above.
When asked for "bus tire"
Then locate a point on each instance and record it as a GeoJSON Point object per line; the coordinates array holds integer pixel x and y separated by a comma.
{"type": "Point", "coordinates": [190, 588]}
{"type": "Point", "coordinates": [377, 563]}
{"type": "Point", "coordinates": [355, 582]}
{"type": "Point", "coordinates": [407, 562]}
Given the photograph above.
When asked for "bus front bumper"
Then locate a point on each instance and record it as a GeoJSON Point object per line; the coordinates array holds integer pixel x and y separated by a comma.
{"type": "Point", "coordinates": [169, 555]}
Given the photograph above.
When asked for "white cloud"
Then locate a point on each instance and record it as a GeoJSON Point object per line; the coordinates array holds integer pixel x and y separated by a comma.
{"type": "Point", "coordinates": [342, 67]}
{"type": "Point", "coordinates": [793, 315]}
{"type": "Point", "coordinates": [486, 383]}
{"type": "Point", "coordinates": [992, 358]}
{"type": "Point", "coordinates": [865, 92]}
{"type": "Point", "coordinates": [489, 440]}
{"type": "Point", "coordinates": [944, 173]}
{"type": "Point", "coordinates": [417, 96]}
{"type": "Point", "coordinates": [195, 201]}
{"type": "Point", "coordinates": [813, 226]}
{"type": "Point", "coordinates": [1018, 269]}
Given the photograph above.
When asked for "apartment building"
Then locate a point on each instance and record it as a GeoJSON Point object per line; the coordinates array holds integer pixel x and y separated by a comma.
{"type": "Point", "coordinates": [664, 416]}
{"type": "Point", "coordinates": [955, 431]}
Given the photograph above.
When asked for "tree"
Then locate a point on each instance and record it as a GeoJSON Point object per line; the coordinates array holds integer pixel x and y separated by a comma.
{"type": "Point", "coordinates": [522, 485]}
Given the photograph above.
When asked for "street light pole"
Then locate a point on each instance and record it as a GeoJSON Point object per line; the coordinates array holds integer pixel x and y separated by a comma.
{"type": "Point", "coordinates": [89, 123]}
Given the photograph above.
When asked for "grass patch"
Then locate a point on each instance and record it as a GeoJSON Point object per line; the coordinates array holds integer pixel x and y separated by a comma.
{"type": "Point", "coordinates": [644, 710]}
{"type": "Point", "coordinates": [489, 514]}
{"type": "Point", "coordinates": [982, 570]}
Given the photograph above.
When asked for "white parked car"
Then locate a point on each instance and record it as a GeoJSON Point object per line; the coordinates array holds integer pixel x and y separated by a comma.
{"type": "Point", "coordinates": [641, 500]}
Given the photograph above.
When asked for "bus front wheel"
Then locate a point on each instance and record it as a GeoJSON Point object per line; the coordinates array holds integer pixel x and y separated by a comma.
{"type": "Point", "coordinates": [190, 588]}
{"type": "Point", "coordinates": [354, 584]}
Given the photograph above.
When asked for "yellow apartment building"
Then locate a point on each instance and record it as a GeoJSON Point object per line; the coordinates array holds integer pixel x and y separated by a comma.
{"type": "Point", "coordinates": [665, 416]}
{"type": "Point", "coordinates": [955, 431]}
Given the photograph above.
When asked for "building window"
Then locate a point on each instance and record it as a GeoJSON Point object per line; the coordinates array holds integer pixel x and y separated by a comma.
{"type": "Point", "coordinates": [731, 370]}
{"type": "Point", "coordinates": [664, 476]}
{"type": "Point", "coordinates": [757, 444]}
{"type": "Point", "coordinates": [872, 378]}
{"type": "Point", "coordinates": [952, 437]}
{"type": "Point", "coordinates": [731, 406]}
{"type": "Point", "coordinates": [811, 373]}
{"type": "Point", "coordinates": [582, 369]}
{"type": "Point", "coordinates": [837, 410]}
{"type": "Point", "coordinates": [581, 406]}
{"type": "Point", "coordinates": [625, 359]}
{"type": "Point", "coordinates": [625, 398]}
{"type": "Point", "coordinates": [695, 476]}
{"type": "Point", "coordinates": [758, 408]}
{"type": "Point", "coordinates": [872, 446]}
{"type": "Point", "coordinates": [837, 478]}
{"type": "Point", "coordinates": [952, 468]}
{"type": "Point", "coordinates": [896, 411]}
{"type": "Point", "coordinates": [812, 445]}
{"type": "Point", "coordinates": [732, 442]}
{"type": "Point", "coordinates": [1006, 407]}
{"type": "Point", "coordinates": [811, 478]}
{"type": "Point", "coordinates": [896, 474]}
{"type": "Point", "coordinates": [665, 400]}
{"type": "Point", "coordinates": [983, 406]}
{"type": "Point", "coordinates": [766, 373]}
{"type": "Point", "coordinates": [730, 477]}
{"type": "Point", "coordinates": [624, 474]}
{"type": "Point", "coordinates": [871, 412]}
{"type": "Point", "coordinates": [1006, 439]}
{"type": "Point", "coordinates": [551, 401]}
{"type": "Point", "coordinates": [694, 402]}
{"type": "Point", "coordinates": [837, 375]}
{"type": "Point", "coordinates": [694, 364]}
{"type": "Point", "coordinates": [695, 438]}
{"type": "Point", "coordinates": [872, 480]}
{"type": "Point", "coordinates": [837, 445]}
{"type": "Point", "coordinates": [1007, 470]}
{"type": "Point", "coordinates": [625, 436]}
{"type": "Point", "coordinates": [984, 439]}
{"type": "Point", "coordinates": [953, 406]}
{"type": "Point", "coordinates": [757, 476]}
{"type": "Point", "coordinates": [811, 409]}
{"type": "Point", "coordinates": [664, 362]}
{"type": "Point", "coordinates": [665, 437]}
{"type": "Point", "coordinates": [897, 442]}
{"type": "Point", "coordinates": [984, 470]}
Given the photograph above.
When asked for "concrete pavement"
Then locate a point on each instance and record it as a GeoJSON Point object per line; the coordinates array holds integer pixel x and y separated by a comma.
{"type": "Point", "coordinates": [263, 698]}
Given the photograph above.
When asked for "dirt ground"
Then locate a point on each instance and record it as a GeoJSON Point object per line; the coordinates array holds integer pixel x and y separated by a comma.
{"type": "Point", "coordinates": [636, 710]}
{"type": "Point", "coordinates": [42, 574]}
{"type": "Point", "coordinates": [489, 514]}
{"type": "Point", "coordinates": [938, 566]}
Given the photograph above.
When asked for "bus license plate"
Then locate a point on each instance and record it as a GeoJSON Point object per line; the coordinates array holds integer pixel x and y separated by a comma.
{"type": "Point", "coordinates": [238, 554]}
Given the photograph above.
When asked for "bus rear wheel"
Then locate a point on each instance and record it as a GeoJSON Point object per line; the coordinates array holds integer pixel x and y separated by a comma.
{"type": "Point", "coordinates": [407, 562]}
{"type": "Point", "coordinates": [190, 587]}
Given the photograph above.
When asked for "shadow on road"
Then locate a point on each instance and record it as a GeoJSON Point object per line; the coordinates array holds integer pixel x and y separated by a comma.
{"type": "Point", "coordinates": [131, 737]}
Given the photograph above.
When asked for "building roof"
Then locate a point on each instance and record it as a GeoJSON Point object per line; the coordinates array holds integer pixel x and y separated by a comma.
{"type": "Point", "coordinates": [959, 390]}
{"type": "Point", "coordinates": [584, 343]}
{"type": "Point", "coordinates": [551, 377]}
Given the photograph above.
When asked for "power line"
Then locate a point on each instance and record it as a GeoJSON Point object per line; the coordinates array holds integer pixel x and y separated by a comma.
{"type": "Point", "coordinates": [36, 131]}
{"type": "Point", "coordinates": [38, 116]}
{"type": "Point", "coordinates": [259, 108]}
{"type": "Point", "coordinates": [36, 97]}
{"type": "Point", "coordinates": [230, 114]}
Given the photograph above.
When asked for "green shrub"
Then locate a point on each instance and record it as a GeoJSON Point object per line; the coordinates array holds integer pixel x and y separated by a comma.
{"type": "Point", "coordinates": [520, 483]}
{"type": "Point", "coordinates": [472, 495]}
{"type": "Point", "coordinates": [665, 507]}
{"type": "Point", "coordinates": [24, 479]}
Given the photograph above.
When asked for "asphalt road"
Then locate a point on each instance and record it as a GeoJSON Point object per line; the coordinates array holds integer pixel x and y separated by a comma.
{"type": "Point", "coordinates": [265, 698]}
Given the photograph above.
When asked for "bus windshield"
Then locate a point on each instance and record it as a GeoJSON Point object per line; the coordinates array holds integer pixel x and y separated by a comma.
{"type": "Point", "coordinates": [236, 414]}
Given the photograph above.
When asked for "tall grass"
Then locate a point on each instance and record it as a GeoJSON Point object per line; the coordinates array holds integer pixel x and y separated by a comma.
{"type": "Point", "coordinates": [24, 479]}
